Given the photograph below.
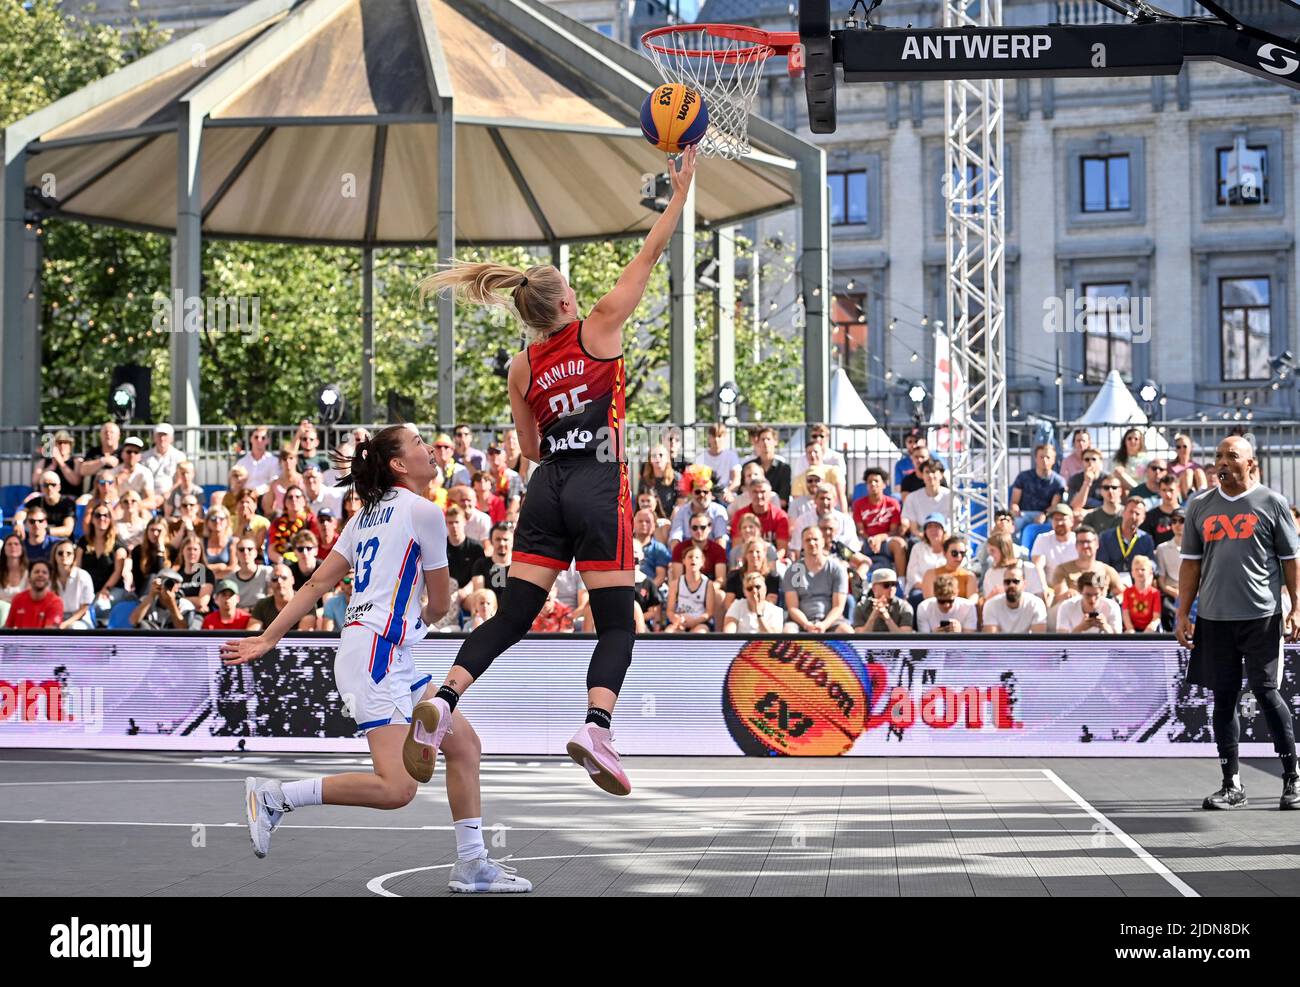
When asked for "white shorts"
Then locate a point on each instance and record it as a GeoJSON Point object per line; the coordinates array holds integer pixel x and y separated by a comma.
{"type": "Point", "coordinates": [376, 679]}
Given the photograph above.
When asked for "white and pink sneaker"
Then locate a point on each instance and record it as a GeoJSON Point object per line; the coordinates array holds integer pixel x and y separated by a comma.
{"type": "Point", "coordinates": [593, 748]}
{"type": "Point", "coordinates": [430, 721]}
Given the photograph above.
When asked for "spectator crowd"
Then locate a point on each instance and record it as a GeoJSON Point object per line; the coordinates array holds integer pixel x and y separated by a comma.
{"type": "Point", "coordinates": [121, 535]}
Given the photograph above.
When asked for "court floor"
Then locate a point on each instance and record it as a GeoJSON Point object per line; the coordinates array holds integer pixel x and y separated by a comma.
{"type": "Point", "coordinates": [129, 823]}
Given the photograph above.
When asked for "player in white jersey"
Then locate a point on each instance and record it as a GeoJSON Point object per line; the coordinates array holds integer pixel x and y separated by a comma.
{"type": "Point", "coordinates": [397, 537]}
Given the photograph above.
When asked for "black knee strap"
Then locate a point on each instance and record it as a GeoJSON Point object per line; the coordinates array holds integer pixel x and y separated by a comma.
{"type": "Point", "coordinates": [520, 604]}
{"type": "Point", "coordinates": [611, 611]}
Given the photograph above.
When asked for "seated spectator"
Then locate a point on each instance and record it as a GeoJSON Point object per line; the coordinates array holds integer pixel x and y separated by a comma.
{"type": "Point", "coordinates": [554, 617]}
{"type": "Point", "coordinates": [1002, 557]}
{"type": "Point", "coordinates": [13, 572]}
{"type": "Point", "coordinates": [268, 608]}
{"type": "Point", "coordinates": [183, 487]}
{"type": "Point", "coordinates": [515, 457]}
{"type": "Point", "coordinates": [956, 550]}
{"type": "Point", "coordinates": [462, 553]}
{"type": "Point", "coordinates": [485, 496]}
{"type": "Point", "coordinates": [1191, 476]}
{"type": "Point", "coordinates": [506, 483]}
{"type": "Point", "coordinates": [883, 611]}
{"type": "Point", "coordinates": [60, 509]}
{"type": "Point", "coordinates": [1083, 489]}
{"type": "Point", "coordinates": [1014, 610]}
{"type": "Point", "coordinates": [259, 464]}
{"type": "Point", "coordinates": [1081, 442]}
{"type": "Point", "coordinates": [857, 564]}
{"type": "Point", "coordinates": [700, 502]}
{"type": "Point", "coordinates": [450, 472]}
{"type": "Point", "coordinates": [150, 556]}
{"type": "Point", "coordinates": [335, 609]}
{"type": "Point", "coordinates": [1168, 562]}
{"type": "Point", "coordinates": [1149, 488]}
{"type": "Point", "coordinates": [104, 489]}
{"type": "Point", "coordinates": [806, 484]}
{"type": "Point", "coordinates": [816, 589]}
{"type": "Point", "coordinates": [820, 433]}
{"type": "Point", "coordinates": [229, 615]}
{"type": "Point", "coordinates": [162, 606]}
{"type": "Point", "coordinates": [306, 557]}
{"type": "Point", "coordinates": [245, 522]}
{"type": "Point", "coordinates": [823, 506]}
{"type": "Point", "coordinates": [62, 461]}
{"type": "Point", "coordinates": [352, 505]}
{"type": "Point", "coordinates": [288, 477]}
{"type": "Point", "coordinates": [132, 520]}
{"type": "Point", "coordinates": [1118, 546]}
{"type": "Point", "coordinates": [827, 476]}
{"type": "Point", "coordinates": [647, 501]}
{"type": "Point", "coordinates": [473, 459]}
{"type": "Point", "coordinates": [879, 520]}
{"type": "Point", "coordinates": [1036, 491]}
{"type": "Point", "coordinates": [655, 555]}
{"type": "Point", "coordinates": [1065, 577]}
{"type": "Point", "coordinates": [478, 524]}
{"type": "Point", "coordinates": [914, 479]}
{"type": "Point", "coordinates": [1141, 601]}
{"type": "Point", "coordinates": [1089, 611]}
{"type": "Point", "coordinates": [1052, 548]}
{"type": "Point", "coordinates": [932, 498]}
{"type": "Point", "coordinates": [907, 463]}
{"type": "Point", "coordinates": [251, 577]}
{"type": "Point", "coordinates": [659, 478]}
{"type": "Point", "coordinates": [218, 544]}
{"type": "Point", "coordinates": [945, 612]}
{"type": "Point", "coordinates": [74, 587]}
{"type": "Point", "coordinates": [1003, 524]}
{"type": "Point", "coordinates": [491, 571]}
{"type": "Point", "coordinates": [753, 561]}
{"type": "Point", "coordinates": [1129, 463]}
{"type": "Point", "coordinates": [187, 522]}
{"type": "Point", "coordinates": [295, 518]}
{"type": "Point", "coordinates": [723, 460]}
{"type": "Point", "coordinates": [775, 469]}
{"type": "Point", "coordinates": [1160, 518]}
{"type": "Point", "coordinates": [105, 560]}
{"type": "Point", "coordinates": [572, 592]}
{"type": "Point", "coordinates": [927, 554]}
{"type": "Point", "coordinates": [772, 519]}
{"type": "Point", "coordinates": [649, 598]}
{"type": "Point", "coordinates": [38, 606]}
{"type": "Point", "coordinates": [320, 497]}
{"type": "Point", "coordinates": [103, 455]}
{"type": "Point", "coordinates": [329, 531]}
{"type": "Point", "coordinates": [306, 442]}
{"type": "Point", "coordinates": [1108, 515]}
{"type": "Point", "coordinates": [715, 556]}
{"type": "Point", "coordinates": [164, 459]}
{"type": "Point", "coordinates": [692, 596]}
{"type": "Point", "coordinates": [135, 476]}
{"type": "Point", "coordinates": [37, 540]}
{"type": "Point", "coordinates": [236, 483]}
{"type": "Point", "coordinates": [196, 578]}
{"type": "Point", "coordinates": [750, 528]}
{"type": "Point", "coordinates": [482, 607]}
{"type": "Point", "coordinates": [749, 473]}
{"type": "Point", "coordinates": [755, 613]}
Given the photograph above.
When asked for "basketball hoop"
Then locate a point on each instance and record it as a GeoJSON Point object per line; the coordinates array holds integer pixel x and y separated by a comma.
{"type": "Point", "coordinates": [724, 63]}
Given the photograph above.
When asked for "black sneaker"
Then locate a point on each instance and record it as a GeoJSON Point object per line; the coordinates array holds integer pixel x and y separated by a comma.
{"type": "Point", "coordinates": [1226, 798]}
{"type": "Point", "coordinates": [1290, 793]}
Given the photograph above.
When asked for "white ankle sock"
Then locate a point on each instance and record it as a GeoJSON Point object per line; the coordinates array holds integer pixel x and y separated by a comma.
{"type": "Point", "coordinates": [305, 791]}
{"type": "Point", "coordinates": [469, 838]}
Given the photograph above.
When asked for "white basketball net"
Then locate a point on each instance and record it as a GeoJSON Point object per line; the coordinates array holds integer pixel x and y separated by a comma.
{"type": "Point", "coordinates": [726, 71]}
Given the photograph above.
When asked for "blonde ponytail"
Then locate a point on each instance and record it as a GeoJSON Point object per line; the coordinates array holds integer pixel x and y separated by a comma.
{"type": "Point", "coordinates": [535, 295]}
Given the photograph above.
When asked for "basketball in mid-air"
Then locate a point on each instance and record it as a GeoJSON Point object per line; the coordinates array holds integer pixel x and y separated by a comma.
{"type": "Point", "coordinates": [673, 117]}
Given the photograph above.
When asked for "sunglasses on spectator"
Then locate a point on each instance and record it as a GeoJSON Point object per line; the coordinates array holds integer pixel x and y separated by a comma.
{"type": "Point", "coordinates": [1110, 486]}
{"type": "Point", "coordinates": [36, 520]}
{"type": "Point", "coordinates": [247, 548]}
{"type": "Point", "coordinates": [957, 553]}
{"type": "Point", "coordinates": [699, 527]}
{"type": "Point", "coordinates": [104, 483]}
{"type": "Point", "coordinates": [102, 516]}
{"type": "Point", "coordinates": [280, 579]}
{"type": "Point", "coordinates": [945, 603]}
{"type": "Point", "coordinates": [1011, 582]}
{"type": "Point", "coordinates": [55, 484]}
{"type": "Point", "coordinates": [883, 583]}
{"type": "Point", "coordinates": [307, 548]}
{"type": "Point", "coordinates": [130, 451]}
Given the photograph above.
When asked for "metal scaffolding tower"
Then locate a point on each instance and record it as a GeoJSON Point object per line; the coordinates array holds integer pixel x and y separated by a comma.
{"type": "Point", "coordinates": [976, 316]}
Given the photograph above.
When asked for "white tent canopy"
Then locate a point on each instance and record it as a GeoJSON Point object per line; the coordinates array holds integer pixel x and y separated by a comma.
{"type": "Point", "coordinates": [862, 438]}
{"type": "Point", "coordinates": [1116, 407]}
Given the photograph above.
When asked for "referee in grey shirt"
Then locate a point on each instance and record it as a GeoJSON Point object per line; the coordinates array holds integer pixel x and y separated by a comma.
{"type": "Point", "coordinates": [1239, 540]}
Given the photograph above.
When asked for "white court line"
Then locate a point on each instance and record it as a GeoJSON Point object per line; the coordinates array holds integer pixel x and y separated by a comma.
{"type": "Point", "coordinates": [1186, 890]}
{"type": "Point", "coordinates": [376, 884]}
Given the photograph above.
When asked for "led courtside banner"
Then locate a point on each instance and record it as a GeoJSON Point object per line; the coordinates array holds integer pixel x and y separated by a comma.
{"type": "Point", "coordinates": [971, 696]}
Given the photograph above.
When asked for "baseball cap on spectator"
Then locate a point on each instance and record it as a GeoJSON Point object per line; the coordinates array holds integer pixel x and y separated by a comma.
{"type": "Point", "coordinates": [63, 435]}
{"type": "Point", "coordinates": [884, 575]}
{"type": "Point", "coordinates": [1179, 517]}
{"type": "Point", "coordinates": [310, 468]}
{"type": "Point", "coordinates": [443, 439]}
{"type": "Point", "coordinates": [227, 585]}
{"type": "Point", "coordinates": [166, 574]}
{"type": "Point", "coordinates": [324, 514]}
{"type": "Point", "coordinates": [162, 428]}
{"type": "Point", "coordinates": [134, 443]}
{"type": "Point", "coordinates": [935, 518]}
{"type": "Point", "coordinates": [1061, 509]}
{"type": "Point", "coordinates": [494, 447]}
{"type": "Point", "coordinates": [817, 471]}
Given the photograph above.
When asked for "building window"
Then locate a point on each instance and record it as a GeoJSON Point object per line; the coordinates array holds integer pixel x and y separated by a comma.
{"type": "Point", "coordinates": [1105, 183]}
{"type": "Point", "coordinates": [1108, 339]}
{"type": "Point", "coordinates": [849, 337]}
{"type": "Point", "coordinates": [1245, 327]}
{"type": "Point", "coordinates": [973, 191]}
{"type": "Point", "coordinates": [1249, 186]}
{"type": "Point", "coordinates": [848, 197]}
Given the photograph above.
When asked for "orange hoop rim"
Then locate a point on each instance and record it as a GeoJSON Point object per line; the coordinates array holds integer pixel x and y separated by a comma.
{"type": "Point", "coordinates": [763, 44]}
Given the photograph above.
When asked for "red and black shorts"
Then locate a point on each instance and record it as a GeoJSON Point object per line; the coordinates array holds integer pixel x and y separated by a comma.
{"type": "Point", "coordinates": [576, 509]}
{"type": "Point", "coordinates": [1220, 649]}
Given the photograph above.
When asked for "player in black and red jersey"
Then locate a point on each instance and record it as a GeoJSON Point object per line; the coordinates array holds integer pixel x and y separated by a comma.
{"type": "Point", "coordinates": [567, 394]}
